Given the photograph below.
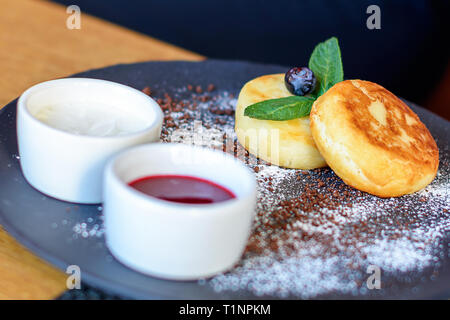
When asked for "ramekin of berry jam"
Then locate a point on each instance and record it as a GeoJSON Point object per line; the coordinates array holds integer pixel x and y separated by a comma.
{"type": "Point", "coordinates": [176, 211]}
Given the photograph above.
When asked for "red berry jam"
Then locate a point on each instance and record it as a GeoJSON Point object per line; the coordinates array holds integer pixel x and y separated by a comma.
{"type": "Point", "coordinates": [182, 189]}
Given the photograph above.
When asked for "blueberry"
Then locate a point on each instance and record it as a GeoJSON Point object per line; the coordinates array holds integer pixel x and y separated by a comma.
{"type": "Point", "coordinates": [300, 81]}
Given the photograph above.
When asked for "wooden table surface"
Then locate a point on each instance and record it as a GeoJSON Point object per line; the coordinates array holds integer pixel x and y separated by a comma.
{"type": "Point", "coordinates": [36, 45]}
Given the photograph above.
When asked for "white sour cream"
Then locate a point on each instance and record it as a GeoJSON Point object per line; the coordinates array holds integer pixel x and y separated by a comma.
{"type": "Point", "coordinates": [90, 119]}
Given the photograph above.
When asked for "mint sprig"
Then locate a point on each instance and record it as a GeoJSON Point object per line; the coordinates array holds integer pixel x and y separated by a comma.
{"type": "Point", "coordinates": [280, 109]}
{"type": "Point", "coordinates": [326, 63]}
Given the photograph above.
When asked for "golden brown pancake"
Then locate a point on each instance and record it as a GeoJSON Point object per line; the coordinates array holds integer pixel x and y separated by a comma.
{"type": "Point", "coordinates": [284, 143]}
{"type": "Point", "coordinates": [373, 140]}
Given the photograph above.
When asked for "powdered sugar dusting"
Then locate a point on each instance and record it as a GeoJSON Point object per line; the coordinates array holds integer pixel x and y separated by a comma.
{"type": "Point", "coordinates": [313, 236]}
{"type": "Point", "coordinates": [327, 247]}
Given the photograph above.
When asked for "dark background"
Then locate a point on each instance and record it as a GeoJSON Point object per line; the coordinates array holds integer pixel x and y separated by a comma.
{"type": "Point", "coordinates": [408, 55]}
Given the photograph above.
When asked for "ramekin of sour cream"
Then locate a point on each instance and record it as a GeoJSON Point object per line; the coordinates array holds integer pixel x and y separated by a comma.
{"type": "Point", "coordinates": [68, 128]}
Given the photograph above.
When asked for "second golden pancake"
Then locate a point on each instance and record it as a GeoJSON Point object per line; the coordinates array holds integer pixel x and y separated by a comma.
{"type": "Point", "coordinates": [373, 140]}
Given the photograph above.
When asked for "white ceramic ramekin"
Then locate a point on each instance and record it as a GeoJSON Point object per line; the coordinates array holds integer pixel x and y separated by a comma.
{"type": "Point", "coordinates": [68, 166]}
{"type": "Point", "coordinates": [173, 240]}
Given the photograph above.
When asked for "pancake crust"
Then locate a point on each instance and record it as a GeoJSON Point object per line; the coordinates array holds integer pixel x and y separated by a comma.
{"type": "Point", "coordinates": [284, 143]}
{"type": "Point", "coordinates": [373, 140]}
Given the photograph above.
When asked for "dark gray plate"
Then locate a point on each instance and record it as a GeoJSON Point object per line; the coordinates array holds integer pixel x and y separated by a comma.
{"type": "Point", "coordinates": [45, 225]}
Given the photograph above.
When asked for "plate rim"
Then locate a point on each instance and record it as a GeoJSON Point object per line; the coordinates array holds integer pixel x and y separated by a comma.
{"type": "Point", "coordinates": [96, 279]}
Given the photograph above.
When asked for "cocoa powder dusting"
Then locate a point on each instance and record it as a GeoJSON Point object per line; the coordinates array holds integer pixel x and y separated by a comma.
{"type": "Point", "coordinates": [314, 236]}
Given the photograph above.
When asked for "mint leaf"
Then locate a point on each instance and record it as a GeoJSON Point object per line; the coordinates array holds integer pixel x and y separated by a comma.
{"type": "Point", "coordinates": [280, 109]}
{"type": "Point", "coordinates": [326, 63]}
